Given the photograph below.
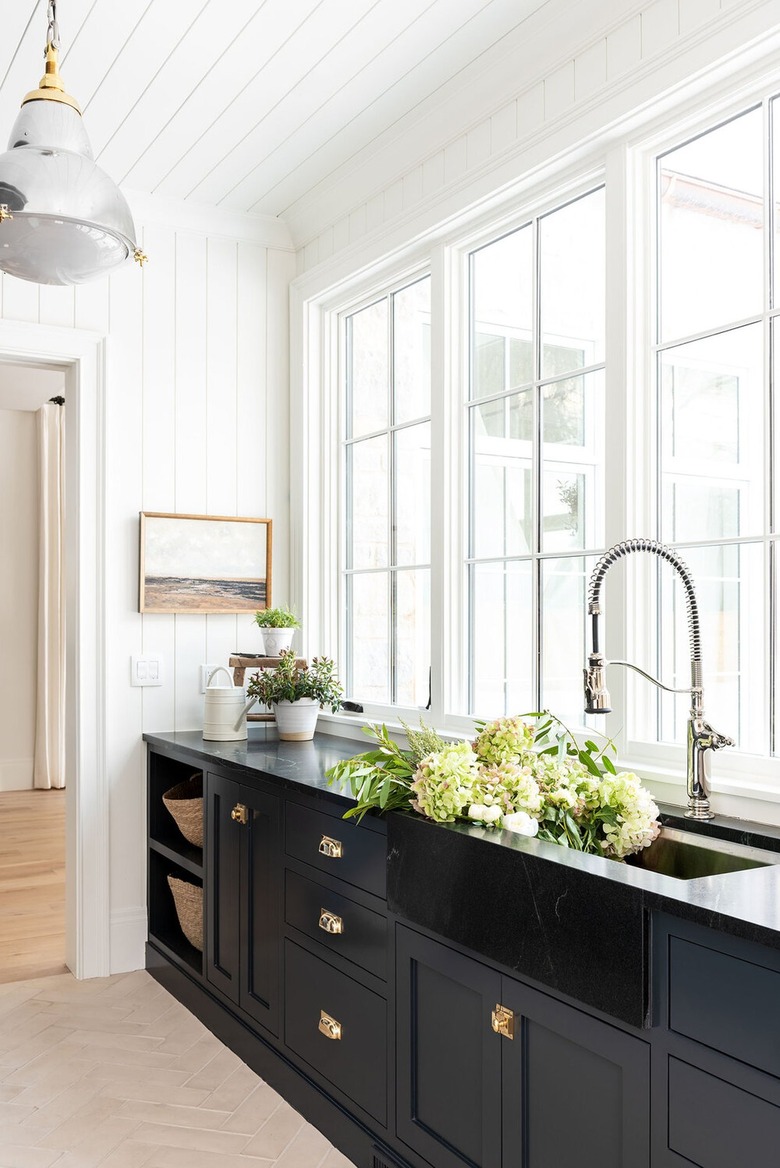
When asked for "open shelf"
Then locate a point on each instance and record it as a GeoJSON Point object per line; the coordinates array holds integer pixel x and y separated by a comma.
{"type": "Point", "coordinates": [187, 857]}
{"type": "Point", "coordinates": [164, 834]}
{"type": "Point", "coordinates": [164, 928]}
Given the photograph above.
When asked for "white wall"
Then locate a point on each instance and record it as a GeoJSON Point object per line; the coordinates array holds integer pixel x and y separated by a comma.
{"type": "Point", "coordinates": [589, 81]}
{"type": "Point", "coordinates": [197, 421]}
{"type": "Point", "coordinates": [18, 596]}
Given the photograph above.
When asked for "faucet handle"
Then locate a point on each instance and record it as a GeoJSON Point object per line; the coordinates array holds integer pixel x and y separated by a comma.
{"type": "Point", "coordinates": [717, 741]}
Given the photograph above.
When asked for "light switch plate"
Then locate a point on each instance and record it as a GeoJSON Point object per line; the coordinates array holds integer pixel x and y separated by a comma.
{"type": "Point", "coordinates": [205, 670]}
{"type": "Point", "coordinates": [146, 670]}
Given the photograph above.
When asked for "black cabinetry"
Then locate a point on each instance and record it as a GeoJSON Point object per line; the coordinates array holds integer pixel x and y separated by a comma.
{"type": "Point", "coordinates": [491, 1072]}
{"type": "Point", "coordinates": [170, 854]}
{"type": "Point", "coordinates": [243, 896]}
{"type": "Point", "coordinates": [716, 1054]}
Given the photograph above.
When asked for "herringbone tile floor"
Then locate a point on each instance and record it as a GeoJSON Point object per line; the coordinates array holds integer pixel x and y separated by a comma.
{"type": "Point", "coordinates": [115, 1073]}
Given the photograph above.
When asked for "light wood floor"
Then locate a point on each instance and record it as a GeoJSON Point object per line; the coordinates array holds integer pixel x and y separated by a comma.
{"type": "Point", "coordinates": [114, 1073]}
{"type": "Point", "coordinates": [32, 884]}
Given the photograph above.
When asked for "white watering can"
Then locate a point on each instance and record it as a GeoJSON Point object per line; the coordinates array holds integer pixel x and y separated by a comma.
{"type": "Point", "coordinates": [224, 710]}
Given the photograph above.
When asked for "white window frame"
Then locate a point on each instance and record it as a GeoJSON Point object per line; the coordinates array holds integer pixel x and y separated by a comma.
{"type": "Point", "coordinates": [743, 785]}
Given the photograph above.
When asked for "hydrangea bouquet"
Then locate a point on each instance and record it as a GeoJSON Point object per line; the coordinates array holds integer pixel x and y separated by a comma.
{"type": "Point", "coordinates": [531, 777]}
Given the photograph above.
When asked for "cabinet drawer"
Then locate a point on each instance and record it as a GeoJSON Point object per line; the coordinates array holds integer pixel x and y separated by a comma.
{"type": "Point", "coordinates": [338, 923]}
{"type": "Point", "coordinates": [716, 1125]}
{"type": "Point", "coordinates": [356, 1061]}
{"type": "Point", "coordinates": [725, 1002]}
{"type": "Point", "coordinates": [353, 853]}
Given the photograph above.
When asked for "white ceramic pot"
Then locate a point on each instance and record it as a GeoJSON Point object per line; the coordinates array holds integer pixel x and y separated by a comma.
{"type": "Point", "coordinates": [276, 640]}
{"type": "Point", "coordinates": [296, 721]}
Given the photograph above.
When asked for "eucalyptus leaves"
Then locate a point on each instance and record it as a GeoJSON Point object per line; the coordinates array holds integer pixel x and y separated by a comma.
{"type": "Point", "coordinates": [526, 776]}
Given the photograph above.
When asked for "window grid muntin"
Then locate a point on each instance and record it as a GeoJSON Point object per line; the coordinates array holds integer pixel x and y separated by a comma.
{"type": "Point", "coordinates": [769, 536]}
{"type": "Point", "coordinates": [349, 573]}
{"type": "Point", "coordinates": [537, 556]}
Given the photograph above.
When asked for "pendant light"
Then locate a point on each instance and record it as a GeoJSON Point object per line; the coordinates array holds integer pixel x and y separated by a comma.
{"type": "Point", "coordinates": [62, 219]}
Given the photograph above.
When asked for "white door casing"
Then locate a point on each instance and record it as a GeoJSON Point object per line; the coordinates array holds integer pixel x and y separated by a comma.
{"type": "Point", "coordinates": [82, 354]}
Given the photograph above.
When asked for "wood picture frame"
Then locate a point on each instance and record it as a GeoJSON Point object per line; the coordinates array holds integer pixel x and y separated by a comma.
{"type": "Point", "coordinates": [204, 563]}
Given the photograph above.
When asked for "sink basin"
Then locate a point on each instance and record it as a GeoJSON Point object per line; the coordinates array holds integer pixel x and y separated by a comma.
{"type": "Point", "coordinates": [687, 856]}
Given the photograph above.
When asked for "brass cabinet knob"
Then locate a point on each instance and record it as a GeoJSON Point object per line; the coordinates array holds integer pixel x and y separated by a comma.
{"type": "Point", "coordinates": [240, 813]}
{"type": "Point", "coordinates": [331, 847]}
{"type": "Point", "coordinates": [502, 1020]}
{"type": "Point", "coordinates": [330, 923]}
{"type": "Point", "coordinates": [329, 1026]}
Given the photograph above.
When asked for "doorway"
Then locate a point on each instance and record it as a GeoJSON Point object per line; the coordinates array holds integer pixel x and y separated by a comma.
{"type": "Point", "coordinates": [81, 355]}
{"type": "Point", "coordinates": [32, 820]}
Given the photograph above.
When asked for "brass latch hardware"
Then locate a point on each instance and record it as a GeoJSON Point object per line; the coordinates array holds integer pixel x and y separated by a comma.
{"type": "Point", "coordinates": [503, 1021]}
{"type": "Point", "coordinates": [140, 257]}
{"type": "Point", "coordinates": [5, 212]}
{"type": "Point", "coordinates": [240, 813]}
{"type": "Point", "coordinates": [330, 923]}
{"type": "Point", "coordinates": [329, 1026]}
{"type": "Point", "coordinates": [331, 847]}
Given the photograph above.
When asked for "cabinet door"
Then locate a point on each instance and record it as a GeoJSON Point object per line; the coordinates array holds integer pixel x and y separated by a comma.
{"type": "Point", "coordinates": [448, 1058]}
{"type": "Point", "coordinates": [260, 908]}
{"type": "Point", "coordinates": [222, 854]}
{"type": "Point", "coordinates": [576, 1091]}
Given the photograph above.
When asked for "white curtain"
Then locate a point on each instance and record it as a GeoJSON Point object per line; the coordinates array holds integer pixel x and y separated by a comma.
{"type": "Point", "coordinates": [49, 764]}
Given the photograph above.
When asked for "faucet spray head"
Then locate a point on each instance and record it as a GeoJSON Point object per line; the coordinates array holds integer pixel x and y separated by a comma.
{"type": "Point", "coordinates": [597, 699]}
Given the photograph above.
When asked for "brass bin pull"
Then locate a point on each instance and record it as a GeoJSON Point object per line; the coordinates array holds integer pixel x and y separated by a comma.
{"type": "Point", "coordinates": [331, 847]}
{"type": "Point", "coordinates": [330, 923]}
{"type": "Point", "coordinates": [329, 1026]}
{"type": "Point", "coordinates": [240, 813]}
{"type": "Point", "coordinates": [502, 1020]}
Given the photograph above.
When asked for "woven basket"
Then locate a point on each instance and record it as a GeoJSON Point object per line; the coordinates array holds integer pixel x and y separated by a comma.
{"type": "Point", "coordinates": [188, 899]}
{"type": "Point", "coordinates": [185, 803]}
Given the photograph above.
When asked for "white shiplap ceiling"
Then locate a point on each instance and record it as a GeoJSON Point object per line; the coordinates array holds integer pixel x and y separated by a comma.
{"type": "Point", "coordinates": [248, 105]}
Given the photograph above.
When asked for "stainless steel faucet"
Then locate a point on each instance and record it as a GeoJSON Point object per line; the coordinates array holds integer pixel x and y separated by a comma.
{"type": "Point", "coordinates": [701, 738]}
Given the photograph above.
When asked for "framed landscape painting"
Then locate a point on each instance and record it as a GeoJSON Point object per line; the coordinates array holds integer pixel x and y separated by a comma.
{"type": "Point", "coordinates": [204, 563]}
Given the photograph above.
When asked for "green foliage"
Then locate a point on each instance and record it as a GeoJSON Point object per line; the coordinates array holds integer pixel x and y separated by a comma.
{"type": "Point", "coordinates": [422, 742]}
{"type": "Point", "coordinates": [529, 776]}
{"type": "Point", "coordinates": [378, 779]}
{"type": "Point", "coordinates": [277, 618]}
{"type": "Point", "coordinates": [288, 681]}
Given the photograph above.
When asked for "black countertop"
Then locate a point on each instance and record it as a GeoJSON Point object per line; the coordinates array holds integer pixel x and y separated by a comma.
{"type": "Point", "coordinates": [574, 922]}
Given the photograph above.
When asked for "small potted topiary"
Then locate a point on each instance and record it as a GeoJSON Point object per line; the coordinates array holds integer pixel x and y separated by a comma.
{"type": "Point", "coordinates": [277, 626]}
{"type": "Point", "coordinates": [296, 692]}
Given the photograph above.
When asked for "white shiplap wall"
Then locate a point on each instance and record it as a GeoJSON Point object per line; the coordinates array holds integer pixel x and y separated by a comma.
{"type": "Point", "coordinates": [197, 421]}
{"type": "Point", "coordinates": [505, 128]}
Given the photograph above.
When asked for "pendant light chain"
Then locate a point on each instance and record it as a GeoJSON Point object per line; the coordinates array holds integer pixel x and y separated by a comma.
{"type": "Point", "coordinates": [53, 31]}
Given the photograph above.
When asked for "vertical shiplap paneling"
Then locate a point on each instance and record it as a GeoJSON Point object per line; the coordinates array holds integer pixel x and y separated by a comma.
{"type": "Point", "coordinates": [191, 453]}
{"type": "Point", "coordinates": [281, 267]}
{"type": "Point", "coordinates": [57, 305]}
{"type": "Point", "coordinates": [252, 439]}
{"type": "Point", "coordinates": [221, 436]}
{"type": "Point", "coordinates": [20, 299]}
{"type": "Point", "coordinates": [158, 485]}
{"type": "Point", "coordinates": [125, 753]}
{"type": "Point", "coordinates": [91, 307]}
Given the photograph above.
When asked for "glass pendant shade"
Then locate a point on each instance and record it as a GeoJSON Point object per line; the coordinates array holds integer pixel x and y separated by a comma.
{"type": "Point", "coordinates": [62, 219]}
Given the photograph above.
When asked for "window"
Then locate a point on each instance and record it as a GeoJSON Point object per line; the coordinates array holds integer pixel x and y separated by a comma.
{"type": "Point", "coordinates": [714, 398]}
{"type": "Point", "coordinates": [535, 412]}
{"type": "Point", "coordinates": [547, 451]}
{"type": "Point", "coordinates": [387, 463]}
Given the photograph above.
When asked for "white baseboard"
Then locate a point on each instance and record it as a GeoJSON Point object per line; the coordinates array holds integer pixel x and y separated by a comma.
{"type": "Point", "coordinates": [127, 939]}
{"type": "Point", "coordinates": [16, 774]}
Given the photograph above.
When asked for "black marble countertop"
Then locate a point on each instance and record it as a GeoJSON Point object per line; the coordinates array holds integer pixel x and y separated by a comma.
{"type": "Point", "coordinates": [295, 764]}
{"type": "Point", "coordinates": [574, 922]}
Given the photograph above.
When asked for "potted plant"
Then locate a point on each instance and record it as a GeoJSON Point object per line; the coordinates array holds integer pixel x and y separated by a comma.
{"type": "Point", "coordinates": [296, 692]}
{"type": "Point", "coordinates": [277, 626]}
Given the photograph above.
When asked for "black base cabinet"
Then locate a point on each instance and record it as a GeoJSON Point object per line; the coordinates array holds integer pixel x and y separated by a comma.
{"type": "Point", "coordinates": [557, 1089]}
{"type": "Point", "coordinates": [242, 829]}
{"type": "Point", "coordinates": [406, 1050]}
